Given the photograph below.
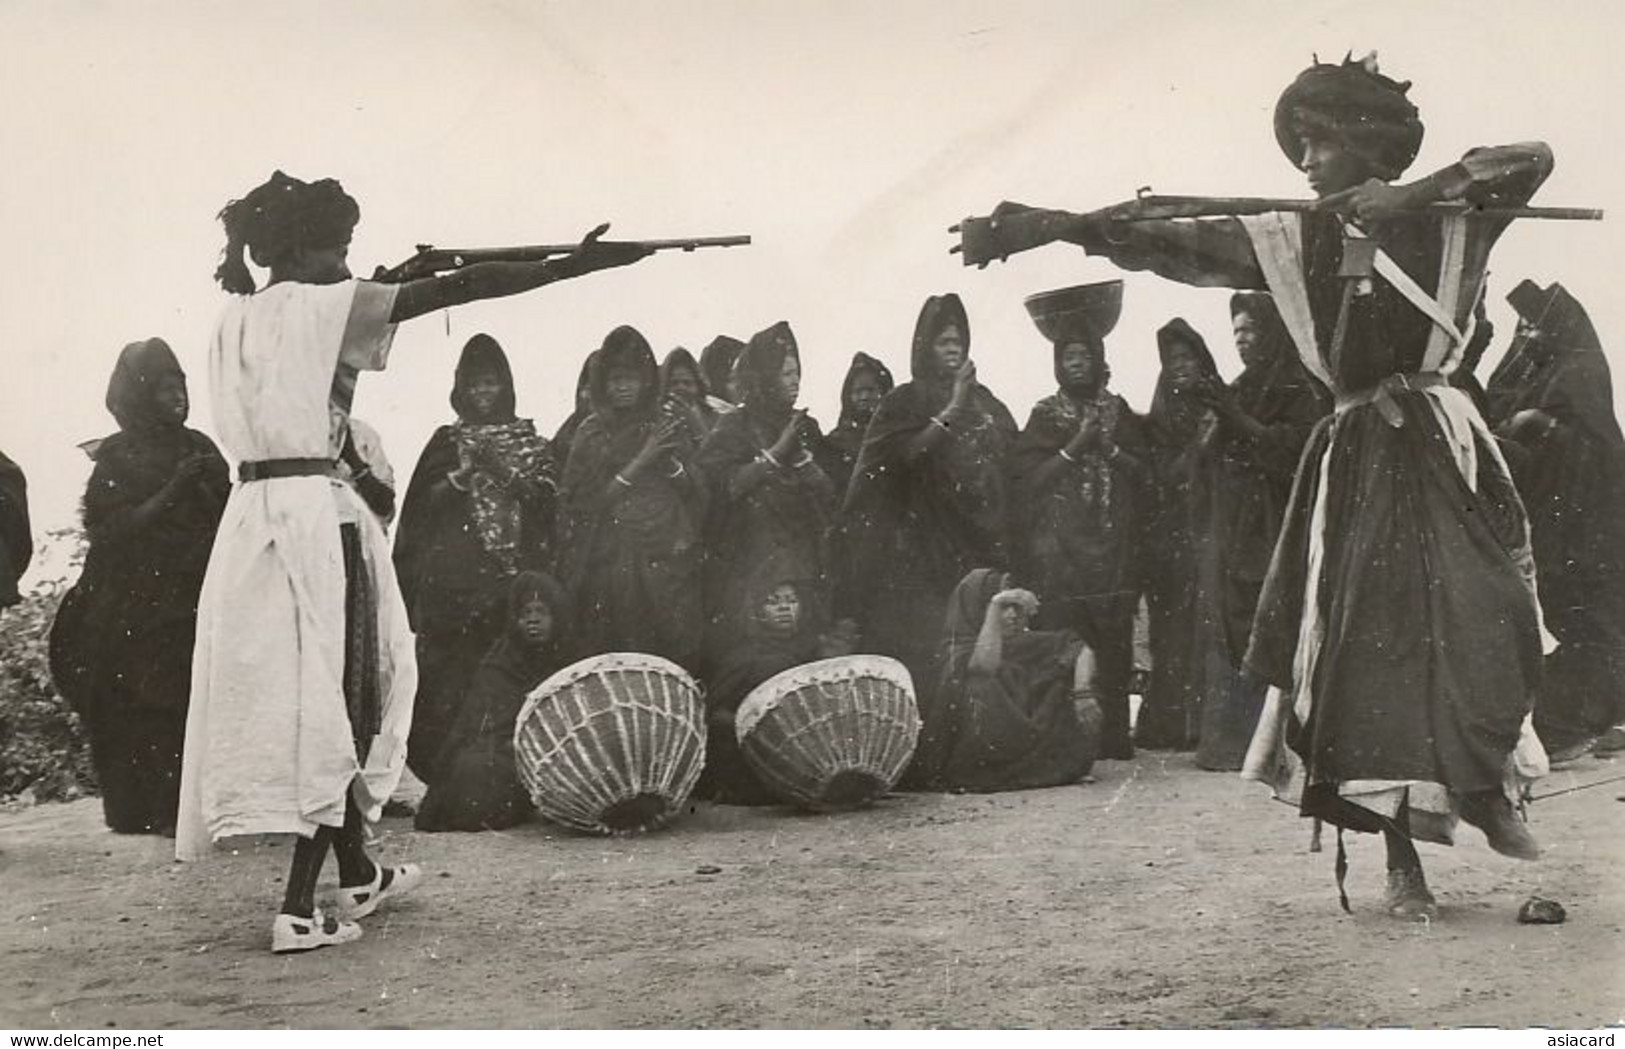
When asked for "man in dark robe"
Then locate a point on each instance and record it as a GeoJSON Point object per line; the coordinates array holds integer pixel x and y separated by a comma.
{"type": "Point", "coordinates": [1079, 473]}
{"type": "Point", "coordinates": [1572, 478]}
{"type": "Point", "coordinates": [1398, 616]}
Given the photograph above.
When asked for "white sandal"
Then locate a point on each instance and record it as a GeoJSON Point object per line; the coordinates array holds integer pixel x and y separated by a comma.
{"type": "Point", "coordinates": [358, 901]}
{"type": "Point", "coordinates": [291, 933]}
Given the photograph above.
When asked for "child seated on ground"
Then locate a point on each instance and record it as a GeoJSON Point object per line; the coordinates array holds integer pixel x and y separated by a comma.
{"type": "Point", "coordinates": [775, 641]}
{"type": "Point", "coordinates": [477, 785]}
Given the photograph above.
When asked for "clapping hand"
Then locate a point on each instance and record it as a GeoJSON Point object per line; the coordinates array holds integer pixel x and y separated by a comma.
{"type": "Point", "coordinates": [790, 438]}
{"type": "Point", "coordinates": [1016, 597]}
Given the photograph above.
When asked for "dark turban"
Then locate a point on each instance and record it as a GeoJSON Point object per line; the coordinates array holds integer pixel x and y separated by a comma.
{"type": "Point", "coordinates": [1354, 105]}
{"type": "Point", "coordinates": [279, 217]}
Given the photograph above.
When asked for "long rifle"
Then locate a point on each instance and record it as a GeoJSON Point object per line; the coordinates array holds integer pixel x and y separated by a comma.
{"type": "Point", "coordinates": [431, 260]}
{"type": "Point", "coordinates": [1014, 229]}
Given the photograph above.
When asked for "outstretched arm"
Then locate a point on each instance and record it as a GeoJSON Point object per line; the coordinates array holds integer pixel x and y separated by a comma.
{"type": "Point", "coordinates": [495, 280]}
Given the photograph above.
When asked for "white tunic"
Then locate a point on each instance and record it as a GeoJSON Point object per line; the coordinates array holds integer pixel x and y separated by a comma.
{"type": "Point", "coordinates": [268, 741]}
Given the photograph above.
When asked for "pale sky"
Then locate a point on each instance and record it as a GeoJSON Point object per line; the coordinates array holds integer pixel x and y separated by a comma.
{"type": "Point", "coordinates": [845, 137]}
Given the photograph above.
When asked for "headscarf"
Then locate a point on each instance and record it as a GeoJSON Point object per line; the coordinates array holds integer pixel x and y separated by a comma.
{"type": "Point", "coordinates": [862, 364]}
{"type": "Point", "coordinates": [717, 362]}
{"type": "Point", "coordinates": [1354, 105]}
{"type": "Point", "coordinates": [1264, 389]}
{"type": "Point", "coordinates": [681, 358]}
{"type": "Point", "coordinates": [759, 654]}
{"type": "Point", "coordinates": [1571, 381]}
{"type": "Point", "coordinates": [759, 370]}
{"type": "Point", "coordinates": [130, 390]}
{"type": "Point", "coordinates": [625, 347]}
{"type": "Point", "coordinates": [937, 314]}
{"type": "Point", "coordinates": [526, 587]}
{"type": "Point", "coordinates": [580, 408]}
{"type": "Point", "coordinates": [1558, 314]}
{"type": "Point", "coordinates": [276, 219]}
{"type": "Point", "coordinates": [1103, 369]}
{"type": "Point", "coordinates": [1174, 417]}
{"type": "Point", "coordinates": [482, 353]}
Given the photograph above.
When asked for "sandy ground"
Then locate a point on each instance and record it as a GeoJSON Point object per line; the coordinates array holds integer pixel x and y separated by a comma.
{"type": "Point", "coordinates": [1158, 896]}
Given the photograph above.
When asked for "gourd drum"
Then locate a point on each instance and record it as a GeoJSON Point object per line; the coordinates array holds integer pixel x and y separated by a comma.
{"type": "Point", "coordinates": [830, 735]}
{"type": "Point", "coordinates": [612, 744]}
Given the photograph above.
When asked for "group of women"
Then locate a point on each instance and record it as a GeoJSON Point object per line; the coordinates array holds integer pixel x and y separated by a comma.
{"type": "Point", "coordinates": [692, 510]}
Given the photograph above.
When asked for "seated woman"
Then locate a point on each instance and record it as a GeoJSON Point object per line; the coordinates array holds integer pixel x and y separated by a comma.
{"type": "Point", "coordinates": [1016, 707]}
{"type": "Point", "coordinates": [777, 639]}
{"type": "Point", "coordinates": [478, 786]}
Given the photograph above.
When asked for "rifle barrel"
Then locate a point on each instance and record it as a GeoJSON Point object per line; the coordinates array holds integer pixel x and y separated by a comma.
{"type": "Point", "coordinates": [1157, 207]}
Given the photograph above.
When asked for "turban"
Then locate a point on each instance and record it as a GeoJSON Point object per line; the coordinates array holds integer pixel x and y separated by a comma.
{"type": "Point", "coordinates": [1356, 106]}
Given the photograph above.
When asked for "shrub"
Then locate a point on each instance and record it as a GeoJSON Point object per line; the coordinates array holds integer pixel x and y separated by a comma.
{"type": "Point", "coordinates": [43, 748]}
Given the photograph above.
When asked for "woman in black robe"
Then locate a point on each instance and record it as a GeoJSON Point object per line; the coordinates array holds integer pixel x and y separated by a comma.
{"type": "Point", "coordinates": [477, 786]}
{"type": "Point", "coordinates": [927, 503]}
{"type": "Point", "coordinates": [479, 509]}
{"type": "Point", "coordinates": [1079, 472]}
{"type": "Point", "coordinates": [16, 536]}
{"type": "Point", "coordinates": [1241, 482]}
{"type": "Point", "coordinates": [774, 638]}
{"type": "Point", "coordinates": [121, 646]}
{"type": "Point", "coordinates": [717, 368]}
{"type": "Point", "coordinates": [867, 382]}
{"type": "Point", "coordinates": [1018, 706]}
{"type": "Point", "coordinates": [1572, 479]}
{"type": "Point", "coordinates": [634, 507]}
{"type": "Point", "coordinates": [1177, 424]}
{"type": "Point", "coordinates": [771, 503]}
{"type": "Point", "coordinates": [683, 392]}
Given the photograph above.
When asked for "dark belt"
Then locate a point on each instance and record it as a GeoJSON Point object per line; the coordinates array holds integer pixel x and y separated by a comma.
{"type": "Point", "coordinates": [271, 469]}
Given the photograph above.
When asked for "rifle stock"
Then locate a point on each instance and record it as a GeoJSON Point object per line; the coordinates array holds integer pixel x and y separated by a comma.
{"type": "Point", "coordinates": [430, 260]}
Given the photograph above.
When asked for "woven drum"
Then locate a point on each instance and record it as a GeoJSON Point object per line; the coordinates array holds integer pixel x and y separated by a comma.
{"type": "Point", "coordinates": [612, 744]}
{"type": "Point", "coordinates": [831, 735]}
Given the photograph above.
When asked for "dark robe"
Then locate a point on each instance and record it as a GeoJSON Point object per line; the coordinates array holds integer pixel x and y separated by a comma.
{"type": "Point", "coordinates": [16, 535]}
{"type": "Point", "coordinates": [1431, 649]}
{"type": "Point", "coordinates": [699, 417]}
{"type": "Point", "coordinates": [1572, 478]}
{"type": "Point", "coordinates": [121, 645]}
{"type": "Point", "coordinates": [477, 785]}
{"type": "Point", "coordinates": [1081, 529]}
{"type": "Point", "coordinates": [751, 660]}
{"type": "Point", "coordinates": [842, 444]}
{"type": "Point", "coordinates": [1170, 715]}
{"type": "Point", "coordinates": [458, 547]}
{"type": "Point", "coordinates": [1239, 491]}
{"type": "Point", "coordinates": [778, 529]}
{"type": "Point", "coordinates": [632, 552]}
{"type": "Point", "coordinates": [1013, 727]}
{"type": "Point", "coordinates": [581, 408]}
{"type": "Point", "coordinates": [910, 530]}
{"type": "Point", "coordinates": [717, 363]}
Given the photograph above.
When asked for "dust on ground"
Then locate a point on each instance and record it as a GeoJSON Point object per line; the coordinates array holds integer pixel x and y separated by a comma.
{"type": "Point", "coordinates": [1156, 896]}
